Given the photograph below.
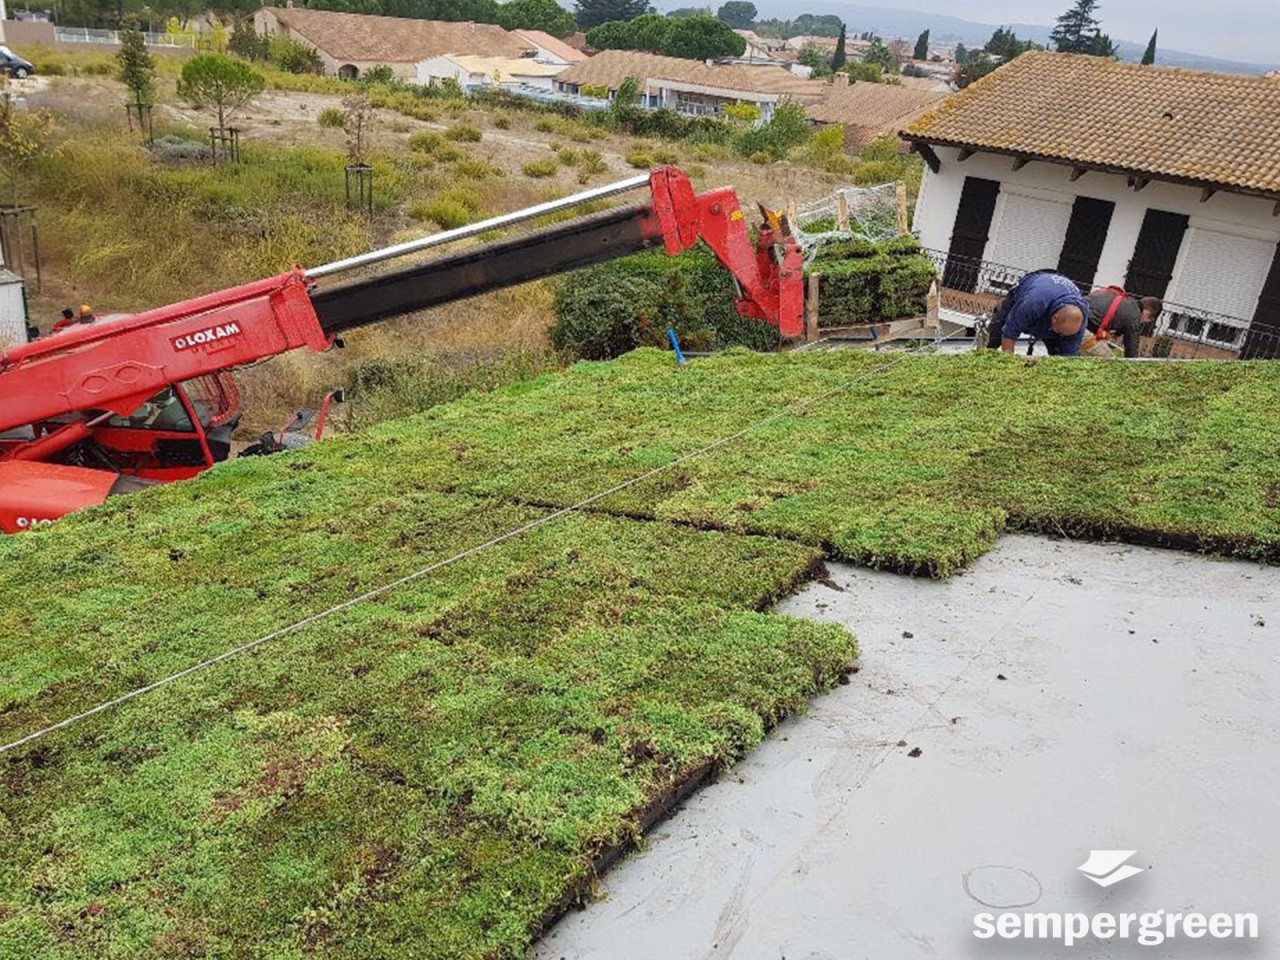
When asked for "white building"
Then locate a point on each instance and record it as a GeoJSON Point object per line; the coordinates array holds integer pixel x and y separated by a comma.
{"type": "Point", "coordinates": [549, 49]}
{"type": "Point", "coordinates": [471, 71]}
{"type": "Point", "coordinates": [1165, 182]}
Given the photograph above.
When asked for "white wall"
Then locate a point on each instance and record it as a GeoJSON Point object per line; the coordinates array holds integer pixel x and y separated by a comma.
{"type": "Point", "coordinates": [1243, 218]}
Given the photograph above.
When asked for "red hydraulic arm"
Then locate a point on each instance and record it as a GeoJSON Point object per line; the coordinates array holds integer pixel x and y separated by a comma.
{"type": "Point", "coordinates": [115, 366]}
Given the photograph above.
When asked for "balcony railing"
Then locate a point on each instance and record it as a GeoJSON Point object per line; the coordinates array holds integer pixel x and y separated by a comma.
{"type": "Point", "coordinates": [973, 288]}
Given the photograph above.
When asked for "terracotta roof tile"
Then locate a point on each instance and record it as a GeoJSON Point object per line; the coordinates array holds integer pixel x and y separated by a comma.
{"type": "Point", "coordinates": [1159, 122]}
{"type": "Point", "coordinates": [612, 67]}
{"type": "Point", "coordinates": [554, 45]}
{"type": "Point", "coordinates": [360, 38]}
{"type": "Point", "coordinates": [878, 106]}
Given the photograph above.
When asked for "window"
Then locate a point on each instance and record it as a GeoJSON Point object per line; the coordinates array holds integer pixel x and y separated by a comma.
{"type": "Point", "coordinates": [1030, 232]}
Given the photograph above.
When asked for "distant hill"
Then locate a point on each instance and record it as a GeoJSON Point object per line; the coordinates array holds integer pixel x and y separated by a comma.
{"type": "Point", "coordinates": [898, 22]}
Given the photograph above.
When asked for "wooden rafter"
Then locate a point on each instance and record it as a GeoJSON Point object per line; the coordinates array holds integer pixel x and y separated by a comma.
{"type": "Point", "coordinates": [965, 154]}
{"type": "Point", "coordinates": [1207, 193]}
{"type": "Point", "coordinates": [1078, 172]}
{"type": "Point", "coordinates": [927, 152]}
{"type": "Point", "coordinates": [1020, 162]}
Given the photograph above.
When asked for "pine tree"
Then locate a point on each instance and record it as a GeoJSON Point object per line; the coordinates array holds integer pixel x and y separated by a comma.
{"type": "Point", "coordinates": [1077, 29]}
{"type": "Point", "coordinates": [137, 68]}
{"type": "Point", "coordinates": [921, 51]}
{"type": "Point", "coordinates": [840, 58]}
{"type": "Point", "coordinates": [1149, 57]}
{"type": "Point", "coordinates": [592, 13]}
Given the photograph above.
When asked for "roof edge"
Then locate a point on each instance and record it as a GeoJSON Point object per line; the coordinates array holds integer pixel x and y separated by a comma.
{"type": "Point", "coordinates": [1218, 185]}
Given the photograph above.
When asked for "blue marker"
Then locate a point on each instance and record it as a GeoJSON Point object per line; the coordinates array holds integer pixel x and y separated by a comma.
{"type": "Point", "coordinates": [675, 345]}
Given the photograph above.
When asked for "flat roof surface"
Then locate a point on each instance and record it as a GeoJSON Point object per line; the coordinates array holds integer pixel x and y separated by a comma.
{"type": "Point", "coordinates": [1064, 698]}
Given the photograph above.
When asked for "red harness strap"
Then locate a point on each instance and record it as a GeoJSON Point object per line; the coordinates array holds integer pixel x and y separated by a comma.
{"type": "Point", "coordinates": [1111, 310]}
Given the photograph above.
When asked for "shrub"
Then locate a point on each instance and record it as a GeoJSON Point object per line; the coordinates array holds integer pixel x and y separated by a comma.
{"type": "Point", "coordinates": [608, 310]}
{"type": "Point", "coordinates": [568, 157]}
{"type": "Point", "coordinates": [825, 150]}
{"type": "Point", "coordinates": [590, 164]}
{"type": "Point", "coordinates": [640, 160]}
{"type": "Point", "coordinates": [380, 73]}
{"type": "Point", "coordinates": [665, 156]}
{"type": "Point", "coordinates": [545, 125]}
{"type": "Point", "coordinates": [761, 157]}
{"type": "Point", "coordinates": [331, 117]}
{"type": "Point", "coordinates": [787, 129]}
{"type": "Point", "coordinates": [292, 56]}
{"type": "Point", "coordinates": [462, 133]}
{"type": "Point", "coordinates": [434, 145]}
{"type": "Point", "coordinates": [539, 169]}
{"type": "Point", "coordinates": [447, 214]}
{"type": "Point", "coordinates": [475, 169]}
{"type": "Point", "coordinates": [502, 121]}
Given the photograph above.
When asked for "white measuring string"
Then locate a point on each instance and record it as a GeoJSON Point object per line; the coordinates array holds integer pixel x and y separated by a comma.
{"type": "Point", "coordinates": [440, 565]}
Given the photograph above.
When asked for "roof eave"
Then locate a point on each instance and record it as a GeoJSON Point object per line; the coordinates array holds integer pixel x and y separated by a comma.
{"type": "Point", "coordinates": [1215, 185]}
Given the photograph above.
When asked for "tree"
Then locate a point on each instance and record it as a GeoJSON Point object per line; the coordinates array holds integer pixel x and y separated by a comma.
{"type": "Point", "coordinates": [977, 68]}
{"type": "Point", "coordinates": [962, 54]}
{"type": "Point", "coordinates": [1077, 29]}
{"type": "Point", "coordinates": [357, 117]}
{"type": "Point", "coordinates": [921, 51]}
{"type": "Point", "coordinates": [1004, 43]}
{"type": "Point", "coordinates": [218, 83]}
{"type": "Point", "coordinates": [865, 73]}
{"type": "Point", "coordinates": [592, 13]}
{"type": "Point", "coordinates": [545, 15]}
{"type": "Point", "coordinates": [840, 58]}
{"type": "Point", "coordinates": [294, 56]}
{"type": "Point", "coordinates": [137, 68]}
{"type": "Point", "coordinates": [247, 44]}
{"type": "Point", "coordinates": [738, 14]}
{"type": "Point", "coordinates": [1101, 45]}
{"type": "Point", "coordinates": [681, 12]}
{"type": "Point", "coordinates": [879, 55]}
{"type": "Point", "coordinates": [1149, 57]}
{"type": "Point", "coordinates": [815, 60]}
{"type": "Point", "coordinates": [702, 38]}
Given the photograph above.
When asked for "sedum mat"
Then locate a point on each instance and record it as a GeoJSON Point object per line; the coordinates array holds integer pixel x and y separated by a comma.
{"type": "Point", "coordinates": [435, 773]}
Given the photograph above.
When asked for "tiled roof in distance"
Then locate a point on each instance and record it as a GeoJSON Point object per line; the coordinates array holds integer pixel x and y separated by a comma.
{"type": "Point", "coordinates": [361, 38]}
{"type": "Point", "coordinates": [1159, 122]}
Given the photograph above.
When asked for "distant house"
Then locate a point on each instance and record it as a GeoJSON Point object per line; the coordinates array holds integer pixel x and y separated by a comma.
{"type": "Point", "coordinates": [475, 72]}
{"type": "Point", "coordinates": [826, 44]}
{"type": "Point", "coordinates": [868, 111]}
{"type": "Point", "coordinates": [759, 49]}
{"type": "Point", "coordinates": [351, 43]}
{"type": "Point", "coordinates": [690, 87]}
{"type": "Point", "coordinates": [551, 49]}
{"type": "Point", "coordinates": [1163, 181]}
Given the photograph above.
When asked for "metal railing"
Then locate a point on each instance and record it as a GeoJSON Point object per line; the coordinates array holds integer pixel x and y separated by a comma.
{"type": "Point", "coordinates": [973, 288]}
{"type": "Point", "coordinates": [88, 35]}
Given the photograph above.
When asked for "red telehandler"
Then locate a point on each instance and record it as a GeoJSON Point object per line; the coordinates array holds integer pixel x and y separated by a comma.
{"type": "Point", "coordinates": [117, 405]}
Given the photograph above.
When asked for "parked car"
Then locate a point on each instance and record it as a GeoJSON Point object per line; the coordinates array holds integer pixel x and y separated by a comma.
{"type": "Point", "coordinates": [14, 65]}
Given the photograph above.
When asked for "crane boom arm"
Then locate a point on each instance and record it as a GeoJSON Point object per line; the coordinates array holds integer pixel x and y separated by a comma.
{"type": "Point", "coordinates": [118, 365]}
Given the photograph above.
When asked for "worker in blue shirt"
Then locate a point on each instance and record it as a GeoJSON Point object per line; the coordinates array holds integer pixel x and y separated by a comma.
{"type": "Point", "coordinates": [1046, 306]}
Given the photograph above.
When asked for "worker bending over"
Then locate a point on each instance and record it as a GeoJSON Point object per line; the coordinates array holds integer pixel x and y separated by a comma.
{"type": "Point", "coordinates": [1113, 313]}
{"type": "Point", "coordinates": [1046, 306]}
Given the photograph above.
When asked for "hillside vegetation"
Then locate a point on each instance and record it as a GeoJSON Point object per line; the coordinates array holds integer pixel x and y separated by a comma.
{"type": "Point", "coordinates": [434, 772]}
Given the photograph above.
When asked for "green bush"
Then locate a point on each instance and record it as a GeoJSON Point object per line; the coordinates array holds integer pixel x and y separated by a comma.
{"type": "Point", "coordinates": [331, 117]}
{"type": "Point", "coordinates": [590, 164]}
{"type": "Point", "coordinates": [787, 129]}
{"type": "Point", "coordinates": [864, 282]}
{"type": "Point", "coordinates": [538, 169]}
{"type": "Point", "coordinates": [294, 57]}
{"type": "Point", "coordinates": [463, 133]}
{"type": "Point", "coordinates": [568, 157]}
{"type": "Point", "coordinates": [475, 169]}
{"type": "Point", "coordinates": [434, 145]}
{"type": "Point", "coordinates": [640, 160]}
{"type": "Point", "coordinates": [447, 213]}
{"type": "Point", "coordinates": [501, 121]}
{"type": "Point", "coordinates": [608, 310]}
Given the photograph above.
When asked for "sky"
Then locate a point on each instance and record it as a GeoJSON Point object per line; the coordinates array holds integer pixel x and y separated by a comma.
{"type": "Point", "coordinates": [1235, 29]}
